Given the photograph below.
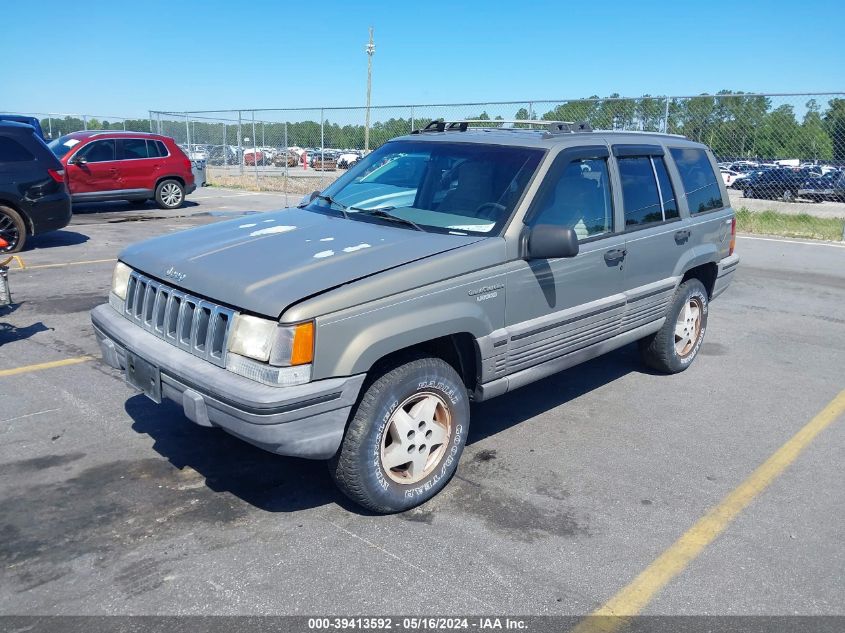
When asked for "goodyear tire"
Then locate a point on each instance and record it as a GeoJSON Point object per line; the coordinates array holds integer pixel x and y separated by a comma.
{"type": "Point", "coordinates": [676, 344]}
{"type": "Point", "coordinates": [406, 436]}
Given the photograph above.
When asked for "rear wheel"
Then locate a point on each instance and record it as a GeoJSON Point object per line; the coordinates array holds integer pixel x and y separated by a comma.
{"type": "Point", "coordinates": [675, 345]}
{"type": "Point", "coordinates": [12, 230]}
{"type": "Point", "coordinates": [170, 194]}
{"type": "Point", "coordinates": [407, 434]}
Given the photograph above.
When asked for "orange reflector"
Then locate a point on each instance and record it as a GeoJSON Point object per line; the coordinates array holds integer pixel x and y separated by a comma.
{"type": "Point", "coordinates": [733, 237]}
{"type": "Point", "coordinates": [303, 344]}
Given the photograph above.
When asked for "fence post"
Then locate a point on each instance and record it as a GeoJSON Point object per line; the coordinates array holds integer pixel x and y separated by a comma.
{"type": "Point", "coordinates": [254, 152]}
{"type": "Point", "coordinates": [84, 121]}
{"type": "Point", "coordinates": [287, 151]}
{"type": "Point", "coordinates": [188, 134]}
{"type": "Point", "coordinates": [225, 147]}
{"type": "Point", "coordinates": [240, 147]}
{"type": "Point", "coordinates": [412, 118]}
{"type": "Point", "coordinates": [151, 121]}
{"type": "Point", "coordinates": [50, 125]}
{"type": "Point", "coordinates": [323, 144]}
{"type": "Point", "coordinates": [666, 117]}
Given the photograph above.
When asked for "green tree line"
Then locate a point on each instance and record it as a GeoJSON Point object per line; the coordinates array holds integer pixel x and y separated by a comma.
{"type": "Point", "coordinates": [734, 124]}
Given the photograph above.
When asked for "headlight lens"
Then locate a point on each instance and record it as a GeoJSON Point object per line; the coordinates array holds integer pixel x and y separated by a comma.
{"type": "Point", "coordinates": [120, 279]}
{"type": "Point", "coordinates": [252, 337]}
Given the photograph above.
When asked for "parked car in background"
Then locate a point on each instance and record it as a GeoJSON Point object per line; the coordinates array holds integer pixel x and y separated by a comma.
{"type": "Point", "coordinates": [324, 161]}
{"type": "Point", "coordinates": [772, 184]}
{"type": "Point", "coordinates": [28, 120]}
{"type": "Point", "coordinates": [117, 165]}
{"type": "Point", "coordinates": [223, 155]}
{"type": "Point", "coordinates": [729, 176]}
{"type": "Point", "coordinates": [821, 188]}
{"type": "Point", "coordinates": [345, 160]}
{"type": "Point", "coordinates": [254, 156]}
{"type": "Point", "coordinates": [285, 158]}
{"type": "Point", "coordinates": [33, 195]}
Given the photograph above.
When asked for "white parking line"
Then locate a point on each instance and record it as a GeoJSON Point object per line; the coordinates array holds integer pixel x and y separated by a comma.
{"type": "Point", "coordinates": [774, 239]}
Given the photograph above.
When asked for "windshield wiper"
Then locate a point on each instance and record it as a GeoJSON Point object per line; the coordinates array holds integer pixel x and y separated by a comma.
{"type": "Point", "coordinates": [382, 212]}
{"type": "Point", "coordinates": [341, 207]}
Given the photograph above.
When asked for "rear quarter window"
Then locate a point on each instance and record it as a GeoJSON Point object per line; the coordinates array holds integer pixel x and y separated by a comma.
{"type": "Point", "coordinates": [13, 152]}
{"type": "Point", "coordinates": [701, 189]}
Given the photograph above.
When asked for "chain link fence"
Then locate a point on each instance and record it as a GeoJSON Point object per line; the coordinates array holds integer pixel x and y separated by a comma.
{"type": "Point", "coordinates": [55, 124]}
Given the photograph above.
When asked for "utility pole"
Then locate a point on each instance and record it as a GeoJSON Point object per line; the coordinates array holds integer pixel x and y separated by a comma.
{"type": "Point", "coordinates": [370, 50]}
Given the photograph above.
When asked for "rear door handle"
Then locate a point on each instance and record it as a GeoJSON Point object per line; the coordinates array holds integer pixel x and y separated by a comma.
{"type": "Point", "coordinates": [615, 255]}
{"type": "Point", "coordinates": [682, 236]}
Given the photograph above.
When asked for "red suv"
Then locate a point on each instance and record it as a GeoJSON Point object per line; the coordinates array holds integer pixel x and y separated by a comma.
{"type": "Point", "coordinates": [134, 166]}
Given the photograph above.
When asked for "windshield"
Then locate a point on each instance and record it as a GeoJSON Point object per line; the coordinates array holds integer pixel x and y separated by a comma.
{"type": "Point", "coordinates": [62, 145]}
{"type": "Point", "coordinates": [460, 188]}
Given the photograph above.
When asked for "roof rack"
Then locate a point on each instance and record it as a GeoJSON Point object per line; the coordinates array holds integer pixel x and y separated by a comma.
{"type": "Point", "coordinates": [551, 127]}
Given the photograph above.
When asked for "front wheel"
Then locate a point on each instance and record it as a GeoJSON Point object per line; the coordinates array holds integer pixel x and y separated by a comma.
{"type": "Point", "coordinates": [406, 436]}
{"type": "Point", "coordinates": [675, 345]}
{"type": "Point", "coordinates": [170, 194]}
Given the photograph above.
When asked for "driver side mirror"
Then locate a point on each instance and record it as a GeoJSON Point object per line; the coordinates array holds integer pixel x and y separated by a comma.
{"type": "Point", "coordinates": [313, 195]}
{"type": "Point", "coordinates": [78, 160]}
{"type": "Point", "coordinates": [549, 241]}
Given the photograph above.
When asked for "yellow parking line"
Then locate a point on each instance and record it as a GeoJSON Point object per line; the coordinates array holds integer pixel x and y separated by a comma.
{"type": "Point", "coordinates": [55, 363]}
{"type": "Point", "coordinates": [90, 261]}
{"type": "Point", "coordinates": [632, 599]}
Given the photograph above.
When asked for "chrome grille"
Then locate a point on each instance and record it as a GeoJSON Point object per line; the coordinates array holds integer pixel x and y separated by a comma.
{"type": "Point", "coordinates": [187, 322]}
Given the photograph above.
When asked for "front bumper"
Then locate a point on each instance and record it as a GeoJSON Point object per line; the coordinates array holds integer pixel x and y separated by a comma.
{"type": "Point", "coordinates": [304, 421]}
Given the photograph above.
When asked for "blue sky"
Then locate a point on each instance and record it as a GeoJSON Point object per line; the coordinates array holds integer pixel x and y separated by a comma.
{"type": "Point", "coordinates": [125, 58]}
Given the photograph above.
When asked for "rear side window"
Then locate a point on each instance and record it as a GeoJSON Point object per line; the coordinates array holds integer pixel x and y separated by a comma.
{"type": "Point", "coordinates": [134, 148]}
{"type": "Point", "coordinates": [153, 149]}
{"type": "Point", "coordinates": [699, 180]}
{"type": "Point", "coordinates": [13, 152]}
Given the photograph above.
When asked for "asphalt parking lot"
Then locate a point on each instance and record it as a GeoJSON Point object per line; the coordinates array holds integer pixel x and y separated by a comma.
{"type": "Point", "coordinates": [568, 489]}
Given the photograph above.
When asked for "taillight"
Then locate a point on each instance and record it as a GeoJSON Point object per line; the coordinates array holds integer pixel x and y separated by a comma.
{"type": "Point", "coordinates": [733, 236]}
{"type": "Point", "coordinates": [57, 174]}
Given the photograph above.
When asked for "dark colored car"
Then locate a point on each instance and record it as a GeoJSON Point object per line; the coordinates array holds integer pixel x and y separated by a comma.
{"type": "Point", "coordinates": [33, 195]}
{"type": "Point", "coordinates": [773, 183]}
{"type": "Point", "coordinates": [117, 165]}
{"type": "Point", "coordinates": [28, 120]}
{"type": "Point", "coordinates": [820, 188]}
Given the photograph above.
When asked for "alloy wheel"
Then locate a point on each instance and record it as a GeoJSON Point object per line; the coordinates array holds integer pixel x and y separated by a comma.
{"type": "Point", "coordinates": [688, 327]}
{"type": "Point", "coordinates": [171, 194]}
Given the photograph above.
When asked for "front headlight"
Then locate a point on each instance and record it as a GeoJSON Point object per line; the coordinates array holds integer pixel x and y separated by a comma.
{"type": "Point", "coordinates": [252, 336]}
{"type": "Point", "coordinates": [266, 340]}
{"type": "Point", "coordinates": [120, 280]}
{"type": "Point", "coordinates": [285, 351]}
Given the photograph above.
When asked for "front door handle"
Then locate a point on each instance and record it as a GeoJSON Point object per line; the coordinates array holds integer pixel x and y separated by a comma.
{"type": "Point", "coordinates": [682, 236]}
{"type": "Point", "coordinates": [615, 255]}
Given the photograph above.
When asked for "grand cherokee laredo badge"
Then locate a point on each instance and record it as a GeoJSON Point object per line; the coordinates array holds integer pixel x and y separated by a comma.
{"type": "Point", "coordinates": [174, 274]}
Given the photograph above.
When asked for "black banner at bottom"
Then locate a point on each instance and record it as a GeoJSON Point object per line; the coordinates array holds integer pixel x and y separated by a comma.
{"type": "Point", "coordinates": [411, 624]}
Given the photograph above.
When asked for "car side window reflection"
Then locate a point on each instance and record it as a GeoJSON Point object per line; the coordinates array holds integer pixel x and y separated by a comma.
{"type": "Point", "coordinates": [580, 198]}
{"type": "Point", "coordinates": [98, 151]}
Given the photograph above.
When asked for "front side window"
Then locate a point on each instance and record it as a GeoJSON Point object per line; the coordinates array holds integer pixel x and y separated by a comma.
{"type": "Point", "coordinates": [579, 198]}
{"type": "Point", "coordinates": [13, 152]}
{"type": "Point", "coordinates": [98, 151]}
{"type": "Point", "coordinates": [134, 148]}
{"type": "Point", "coordinates": [462, 188]}
{"type": "Point", "coordinates": [702, 191]}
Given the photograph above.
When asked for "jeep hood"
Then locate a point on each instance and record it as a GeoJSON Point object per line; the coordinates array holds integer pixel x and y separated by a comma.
{"type": "Point", "coordinates": [264, 263]}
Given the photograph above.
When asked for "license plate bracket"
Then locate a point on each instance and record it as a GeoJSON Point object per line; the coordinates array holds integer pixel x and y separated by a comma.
{"type": "Point", "coordinates": [144, 376]}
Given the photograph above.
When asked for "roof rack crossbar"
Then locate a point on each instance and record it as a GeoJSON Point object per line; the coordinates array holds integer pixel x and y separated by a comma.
{"type": "Point", "coordinates": [550, 127]}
